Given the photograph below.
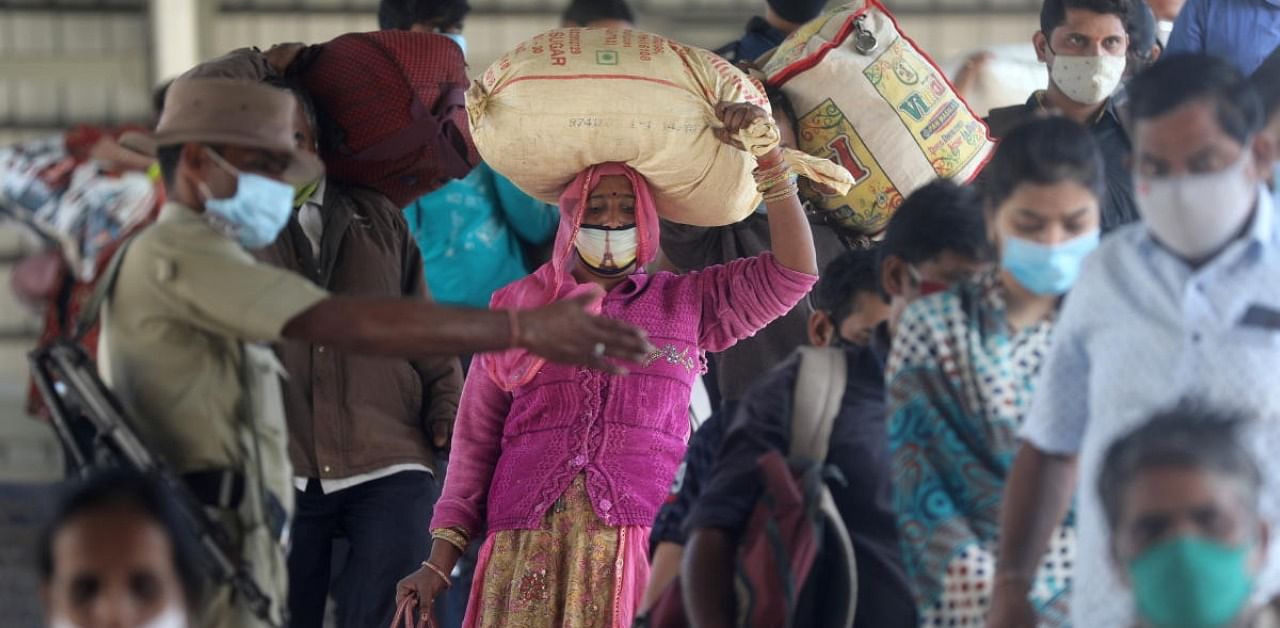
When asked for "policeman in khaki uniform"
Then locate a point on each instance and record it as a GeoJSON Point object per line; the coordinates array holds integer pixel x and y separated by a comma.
{"type": "Point", "coordinates": [189, 306]}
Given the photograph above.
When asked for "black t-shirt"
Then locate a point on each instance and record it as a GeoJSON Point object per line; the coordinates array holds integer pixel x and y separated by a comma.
{"type": "Point", "coordinates": [1119, 207]}
{"type": "Point", "coordinates": [699, 460]}
{"type": "Point", "coordinates": [759, 38]}
{"type": "Point", "coordinates": [859, 449]}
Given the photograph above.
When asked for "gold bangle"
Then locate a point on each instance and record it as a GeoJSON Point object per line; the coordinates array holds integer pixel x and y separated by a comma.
{"type": "Point", "coordinates": [772, 184]}
{"type": "Point", "coordinates": [452, 536]}
{"type": "Point", "coordinates": [448, 582]}
{"type": "Point", "coordinates": [781, 192]}
{"type": "Point", "coordinates": [771, 173]}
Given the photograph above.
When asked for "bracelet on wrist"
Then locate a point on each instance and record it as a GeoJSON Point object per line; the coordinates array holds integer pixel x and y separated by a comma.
{"type": "Point", "coordinates": [453, 536]}
{"type": "Point", "coordinates": [770, 160]}
{"type": "Point", "coordinates": [448, 582]}
{"type": "Point", "coordinates": [780, 190]}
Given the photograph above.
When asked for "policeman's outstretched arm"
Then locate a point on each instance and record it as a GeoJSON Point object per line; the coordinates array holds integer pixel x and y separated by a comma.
{"type": "Point", "coordinates": [560, 332]}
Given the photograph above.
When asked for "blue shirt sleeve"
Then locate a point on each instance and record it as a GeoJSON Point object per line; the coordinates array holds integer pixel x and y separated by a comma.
{"type": "Point", "coordinates": [1188, 30]}
{"type": "Point", "coordinates": [531, 219]}
{"type": "Point", "coordinates": [1059, 410]}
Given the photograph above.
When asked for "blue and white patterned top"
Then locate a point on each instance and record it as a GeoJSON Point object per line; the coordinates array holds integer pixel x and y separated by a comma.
{"type": "Point", "coordinates": [960, 382]}
{"type": "Point", "coordinates": [1140, 331]}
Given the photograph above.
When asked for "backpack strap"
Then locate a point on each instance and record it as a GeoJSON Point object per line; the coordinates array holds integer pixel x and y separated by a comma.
{"type": "Point", "coordinates": [88, 316]}
{"type": "Point", "coordinates": [820, 388]}
{"type": "Point", "coordinates": [819, 392]}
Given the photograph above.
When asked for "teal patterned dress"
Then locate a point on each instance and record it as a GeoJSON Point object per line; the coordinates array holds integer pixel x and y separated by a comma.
{"type": "Point", "coordinates": [959, 385]}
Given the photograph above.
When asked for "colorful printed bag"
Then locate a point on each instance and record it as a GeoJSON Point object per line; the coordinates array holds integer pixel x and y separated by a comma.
{"type": "Point", "coordinates": [870, 99]}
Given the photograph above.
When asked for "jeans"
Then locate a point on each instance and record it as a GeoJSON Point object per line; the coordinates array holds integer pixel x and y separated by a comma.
{"type": "Point", "coordinates": [385, 523]}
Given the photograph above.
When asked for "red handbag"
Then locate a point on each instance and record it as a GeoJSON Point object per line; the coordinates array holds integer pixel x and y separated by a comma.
{"type": "Point", "coordinates": [397, 101]}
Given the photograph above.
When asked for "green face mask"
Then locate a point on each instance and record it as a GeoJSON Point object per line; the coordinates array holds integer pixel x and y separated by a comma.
{"type": "Point", "coordinates": [302, 193]}
{"type": "Point", "coordinates": [1192, 582]}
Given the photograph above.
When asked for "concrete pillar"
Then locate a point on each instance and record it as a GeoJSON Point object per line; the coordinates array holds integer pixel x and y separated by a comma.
{"type": "Point", "coordinates": [178, 29]}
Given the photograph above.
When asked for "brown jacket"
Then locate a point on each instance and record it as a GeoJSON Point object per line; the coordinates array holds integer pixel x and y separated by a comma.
{"type": "Point", "coordinates": [351, 414]}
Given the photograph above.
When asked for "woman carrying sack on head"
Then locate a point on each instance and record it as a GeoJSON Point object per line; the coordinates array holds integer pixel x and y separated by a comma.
{"type": "Point", "coordinates": [564, 469]}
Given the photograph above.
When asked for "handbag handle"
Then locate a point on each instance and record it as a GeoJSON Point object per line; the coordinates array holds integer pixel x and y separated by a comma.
{"type": "Point", "coordinates": [405, 617]}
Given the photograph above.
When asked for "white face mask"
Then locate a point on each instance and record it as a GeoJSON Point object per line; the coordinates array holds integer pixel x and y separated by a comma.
{"type": "Point", "coordinates": [172, 617]}
{"type": "Point", "coordinates": [1087, 80]}
{"type": "Point", "coordinates": [1164, 28]}
{"type": "Point", "coordinates": [608, 251]}
{"type": "Point", "coordinates": [1196, 215]}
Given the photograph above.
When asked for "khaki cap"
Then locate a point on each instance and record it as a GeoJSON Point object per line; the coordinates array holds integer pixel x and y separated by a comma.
{"type": "Point", "coordinates": [232, 112]}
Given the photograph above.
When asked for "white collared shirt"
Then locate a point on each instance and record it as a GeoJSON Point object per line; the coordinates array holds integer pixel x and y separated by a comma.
{"type": "Point", "coordinates": [1140, 331]}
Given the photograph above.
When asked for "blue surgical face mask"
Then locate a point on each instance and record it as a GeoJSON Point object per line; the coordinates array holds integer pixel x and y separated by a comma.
{"type": "Point", "coordinates": [1047, 270]}
{"type": "Point", "coordinates": [460, 39]}
{"type": "Point", "coordinates": [256, 214]}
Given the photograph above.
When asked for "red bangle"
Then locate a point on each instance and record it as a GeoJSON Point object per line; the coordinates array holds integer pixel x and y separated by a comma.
{"type": "Point", "coordinates": [514, 319]}
{"type": "Point", "coordinates": [764, 164]}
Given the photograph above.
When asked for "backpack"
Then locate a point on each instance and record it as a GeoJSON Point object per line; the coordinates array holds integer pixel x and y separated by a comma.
{"type": "Point", "coordinates": [794, 520]}
{"type": "Point", "coordinates": [392, 105]}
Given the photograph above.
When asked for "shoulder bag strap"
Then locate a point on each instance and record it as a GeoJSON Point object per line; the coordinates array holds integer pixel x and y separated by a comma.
{"type": "Point", "coordinates": [88, 316]}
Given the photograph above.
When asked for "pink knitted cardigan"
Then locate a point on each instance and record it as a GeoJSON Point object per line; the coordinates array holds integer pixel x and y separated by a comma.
{"type": "Point", "coordinates": [516, 452]}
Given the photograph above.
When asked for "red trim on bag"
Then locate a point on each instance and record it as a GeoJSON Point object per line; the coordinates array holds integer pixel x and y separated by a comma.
{"type": "Point", "coordinates": [803, 65]}
{"type": "Point", "coordinates": [575, 77]}
{"type": "Point", "coordinates": [807, 63]}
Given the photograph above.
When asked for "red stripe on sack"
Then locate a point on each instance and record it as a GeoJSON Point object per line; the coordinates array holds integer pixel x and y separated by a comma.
{"type": "Point", "coordinates": [575, 77]}
{"type": "Point", "coordinates": [707, 95]}
{"type": "Point", "coordinates": [807, 63]}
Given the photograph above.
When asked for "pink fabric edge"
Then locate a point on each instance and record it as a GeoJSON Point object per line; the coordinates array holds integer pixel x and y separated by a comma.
{"type": "Point", "coordinates": [470, 618]}
{"type": "Point", "coordinates": [629, 584]}
{"type": "Point", "coordinates": [628, 587]}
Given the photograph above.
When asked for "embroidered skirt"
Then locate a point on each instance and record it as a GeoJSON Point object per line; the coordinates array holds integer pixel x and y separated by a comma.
{"type": "Point", "coordinates": [574, 571]}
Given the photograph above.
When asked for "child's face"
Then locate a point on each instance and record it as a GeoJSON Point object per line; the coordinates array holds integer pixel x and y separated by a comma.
{"type": "Point", "coordinates": [869, 310]}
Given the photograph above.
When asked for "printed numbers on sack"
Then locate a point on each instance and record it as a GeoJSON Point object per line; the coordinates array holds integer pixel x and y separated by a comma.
{"type": "Point", "coordinates": [680, 127]}
{"type": "Point", "coordinates": [585, 123]}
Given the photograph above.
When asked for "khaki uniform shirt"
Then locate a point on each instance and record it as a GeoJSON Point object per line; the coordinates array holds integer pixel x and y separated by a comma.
{"type": "Point", "coordinates": [176, 346]}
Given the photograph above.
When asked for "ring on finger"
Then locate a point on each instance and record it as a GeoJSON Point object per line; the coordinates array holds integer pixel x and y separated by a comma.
{"type": "Point", "coordinates": [598, 351]}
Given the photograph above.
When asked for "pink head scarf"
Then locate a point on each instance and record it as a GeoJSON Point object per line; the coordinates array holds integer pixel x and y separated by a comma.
{"type": "Point", "coordinates": [554, 281]}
